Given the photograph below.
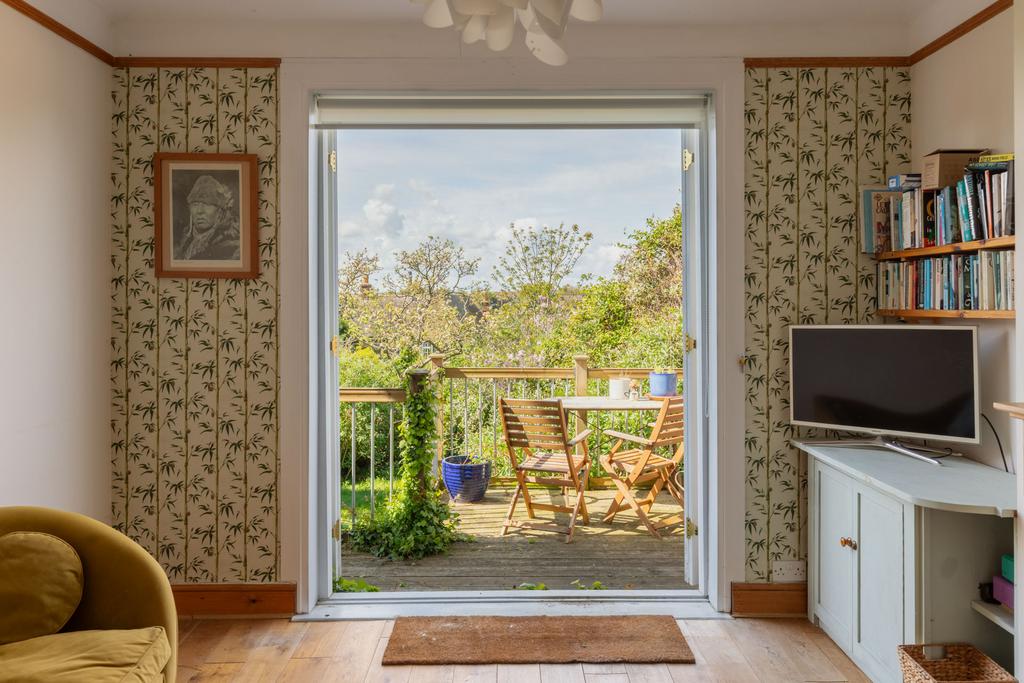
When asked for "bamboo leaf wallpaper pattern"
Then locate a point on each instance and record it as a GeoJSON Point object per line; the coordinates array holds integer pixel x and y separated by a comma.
{"type": "Point", "coordinates": [813, 136]}
{"type": "Point", "coordinates": [194, 366]}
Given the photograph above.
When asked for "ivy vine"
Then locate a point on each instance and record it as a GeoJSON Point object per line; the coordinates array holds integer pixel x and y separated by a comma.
{"type": "Point", "coordinates": [417, 522]}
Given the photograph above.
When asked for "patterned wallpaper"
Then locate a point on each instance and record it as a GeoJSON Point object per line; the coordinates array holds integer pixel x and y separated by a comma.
{"type": "Point", "coordinates": [812, 137]}
{"type": "Point", "coordinates": [194, 368]}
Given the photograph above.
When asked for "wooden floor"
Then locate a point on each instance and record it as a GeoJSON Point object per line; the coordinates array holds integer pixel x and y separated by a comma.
{"type": "Point", "coordinates": [621, 555]}
{"type": "Point", "coordinates": [729, 651]}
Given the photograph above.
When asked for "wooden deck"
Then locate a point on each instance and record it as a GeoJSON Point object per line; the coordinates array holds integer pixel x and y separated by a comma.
{"type": "Point", "coordinates": [621, 555]}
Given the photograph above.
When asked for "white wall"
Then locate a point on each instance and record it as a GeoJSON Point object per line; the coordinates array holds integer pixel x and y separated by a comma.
{"type": "Point", "coordinates": [963, 98]}
{"type": "Point", "coordinates": [963, 94]}
{"type": "Point", "coordinates": [54, 274]}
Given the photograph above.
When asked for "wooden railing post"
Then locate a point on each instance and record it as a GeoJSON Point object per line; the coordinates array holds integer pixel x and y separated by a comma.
{"type": "Point", "coordinates": [580, 376]}
{"type": "Point", "coordinates": [417, 380]}
{"type": "Point", "coordinates": [437, 368]}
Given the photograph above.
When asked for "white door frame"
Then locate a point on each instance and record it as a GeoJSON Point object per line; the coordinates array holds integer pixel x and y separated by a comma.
{"type": "Point", "coordinates": [301, 423]}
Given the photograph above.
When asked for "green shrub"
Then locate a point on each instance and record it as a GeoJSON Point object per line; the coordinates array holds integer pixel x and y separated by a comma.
{"type": "Point", "coordinates": [353, 586]}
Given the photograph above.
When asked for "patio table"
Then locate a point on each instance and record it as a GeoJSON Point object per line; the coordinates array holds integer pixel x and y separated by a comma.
{"type": "Point", "coordinates": [585, 403]}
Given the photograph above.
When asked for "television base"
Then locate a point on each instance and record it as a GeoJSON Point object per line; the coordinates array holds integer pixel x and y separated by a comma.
{"type": "Point", "coordinates": [895, 445]}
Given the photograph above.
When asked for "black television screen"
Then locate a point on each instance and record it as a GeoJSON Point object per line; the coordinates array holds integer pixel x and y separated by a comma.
{"type": "Point", "coordinates": [890, 380]}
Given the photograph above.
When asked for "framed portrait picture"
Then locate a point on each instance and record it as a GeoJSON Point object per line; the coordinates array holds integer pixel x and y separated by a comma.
{"type": "Point", "coordinates": [206, 215]}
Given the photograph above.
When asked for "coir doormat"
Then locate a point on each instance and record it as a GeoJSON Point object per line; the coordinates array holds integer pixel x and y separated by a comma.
{"type": "Point", "coordinates": [537, 640]}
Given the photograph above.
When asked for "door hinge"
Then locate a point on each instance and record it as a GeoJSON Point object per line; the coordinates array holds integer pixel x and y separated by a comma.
{"type": "Point", "coordinates": [690, 344]}
{"type": "Point", "coordinates": [336, 530]}
{"type": "Point", "coordinates": [691, 528]}
{"type": "Point", "coordinates": [332, 161]}
{"type": "Point", "coordinates": [687, 159]}
{"type": "Point", "coordinates": [335, 346]}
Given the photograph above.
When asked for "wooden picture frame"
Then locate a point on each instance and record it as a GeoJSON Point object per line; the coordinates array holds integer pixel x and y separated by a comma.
{"type": "Point", "coordinates": [206, 215]}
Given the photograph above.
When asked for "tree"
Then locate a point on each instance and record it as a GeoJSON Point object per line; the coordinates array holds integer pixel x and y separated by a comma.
{"type": "Point", "coordinates": [538, 261]}
{"type": "Point", "coordinates": [437, 267]}
{"type": "Point", "coordinates": [425, 303]}
{"type": "Point", "coordinates": [652, 265]}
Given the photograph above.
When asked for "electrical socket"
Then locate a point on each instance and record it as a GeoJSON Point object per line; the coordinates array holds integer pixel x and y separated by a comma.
{"type": "Point", "coordinates": [789, 571]}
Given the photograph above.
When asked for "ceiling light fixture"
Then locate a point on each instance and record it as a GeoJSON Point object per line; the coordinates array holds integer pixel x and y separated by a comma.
{"type": "Point", "coordinates": [494, 22]}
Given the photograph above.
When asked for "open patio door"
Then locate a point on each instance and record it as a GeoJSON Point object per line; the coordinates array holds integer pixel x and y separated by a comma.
{"type": "Point", "coordinates": [684, 115]}
{"type": "Point", "coordinates": [695, 337]}
{"type": "Point", "coordinates": [329, 446]}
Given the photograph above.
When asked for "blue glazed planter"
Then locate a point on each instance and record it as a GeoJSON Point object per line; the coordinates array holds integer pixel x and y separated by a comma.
{"type": "Point", "coordinates": [663, 383]}
{"type": "Point", "coordinates": [466, 480]}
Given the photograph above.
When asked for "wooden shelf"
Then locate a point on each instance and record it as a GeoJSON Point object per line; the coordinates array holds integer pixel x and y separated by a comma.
{"type": "Point", "coordinates": [958, 247]}
{"type": "Point", "coordinates": [961, 315]}
{"type": "Point", "coordinates": [997, 614]}
{"type": "Point", "coordinates": [1014, 409]}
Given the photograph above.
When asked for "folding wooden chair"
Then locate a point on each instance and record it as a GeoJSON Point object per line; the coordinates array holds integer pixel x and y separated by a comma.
{"type": "Point", "coordinates": [537, 429]}
{"type": "Point", "coordinates": [632, 467]}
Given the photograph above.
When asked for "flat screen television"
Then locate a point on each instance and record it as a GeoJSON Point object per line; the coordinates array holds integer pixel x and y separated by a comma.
{"type": "Point", "coordinates": [918, 381]}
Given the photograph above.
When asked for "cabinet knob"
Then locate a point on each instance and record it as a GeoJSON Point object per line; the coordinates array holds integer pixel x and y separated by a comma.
{"type": "Point", "coordinates": [851, 544]}
{"type": "Point", "coordinates": [844, 541]}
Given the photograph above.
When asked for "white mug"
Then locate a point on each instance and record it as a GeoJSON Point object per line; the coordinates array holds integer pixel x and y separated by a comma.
{"type": "Point", "coordinates": [618, 388]}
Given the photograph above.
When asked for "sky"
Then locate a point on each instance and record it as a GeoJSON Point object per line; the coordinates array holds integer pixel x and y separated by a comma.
{"type": "Point", "coordinates": [397, 187]}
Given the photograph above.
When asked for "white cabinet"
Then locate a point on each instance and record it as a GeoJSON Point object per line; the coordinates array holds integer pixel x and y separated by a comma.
{"type": "Point", "coordinates": [833, 599]}
{"type": "Point", "coordinates": [857, 579]}
{"type": "Point", "coordinates": [877, 555]}
{"type": "Point", "coordinates": [886, 568]}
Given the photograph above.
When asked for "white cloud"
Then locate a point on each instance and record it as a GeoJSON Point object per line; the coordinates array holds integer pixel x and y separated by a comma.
{"type": "Point", "coordinates": [399, 187]}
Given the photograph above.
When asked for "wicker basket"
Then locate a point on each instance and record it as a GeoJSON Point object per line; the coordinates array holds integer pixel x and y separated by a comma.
{"type": "Point", "coordinates": [963, 663]}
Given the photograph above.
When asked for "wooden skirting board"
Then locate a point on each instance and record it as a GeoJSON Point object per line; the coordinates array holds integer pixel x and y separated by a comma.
{"type": "Point", "coordinates": [769, 599]}
{"type": "Point", "coordinates": [234, 599]}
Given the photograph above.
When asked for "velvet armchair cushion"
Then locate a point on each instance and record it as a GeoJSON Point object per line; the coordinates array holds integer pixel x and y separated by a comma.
{"type": "Point", "coordinates": [109, 656]}
{"type": "Point", "coordinates": [40, 585]}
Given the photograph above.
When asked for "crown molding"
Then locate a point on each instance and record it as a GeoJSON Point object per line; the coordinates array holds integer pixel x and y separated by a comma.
{"type": "Point", "coordinates": [950, 36]}
{"type": "Point", "coordinates": [198, 62]}
{"type": "Point", "coordinates": [46, 21]}
{"type": "Point", "coordinates": [931, 48]}
{"type": "Point", "coordinates": [80, 41]}
{"type": "Point", "coordinates": [961, 30]}
{"type": "Point", "coordinates": [822, 62]}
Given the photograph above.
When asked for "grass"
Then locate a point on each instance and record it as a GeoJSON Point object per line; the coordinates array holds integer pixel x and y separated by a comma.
{"type": "Point", "coordinates": [362, 496]}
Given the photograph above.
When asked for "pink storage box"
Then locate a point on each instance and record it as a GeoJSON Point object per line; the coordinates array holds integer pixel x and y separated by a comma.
{"type": "Point", "coordinates": [1002, 590]}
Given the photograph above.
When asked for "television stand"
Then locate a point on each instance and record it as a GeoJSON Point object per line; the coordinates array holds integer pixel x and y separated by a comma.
{"type": "Point", "coordinates": [894, 445]}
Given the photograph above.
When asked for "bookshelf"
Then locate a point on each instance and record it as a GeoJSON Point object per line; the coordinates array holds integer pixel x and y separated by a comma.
{"type": "Point", "coordinates": [928, 313]}
{"type": "Point", "coordinates": [1009, 243]}
{"type": "Point", "coordinates": [955, 248]}
{"type": "Point", "coordinates": [959, 194]}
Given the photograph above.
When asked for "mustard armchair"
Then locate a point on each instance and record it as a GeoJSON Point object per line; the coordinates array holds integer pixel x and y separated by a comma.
{"type": "Point", "coordinates": [124, 587]}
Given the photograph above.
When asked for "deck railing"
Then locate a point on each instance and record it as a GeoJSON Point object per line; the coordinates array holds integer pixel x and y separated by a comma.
{"type": "Point", "coordinates": [468, 419]}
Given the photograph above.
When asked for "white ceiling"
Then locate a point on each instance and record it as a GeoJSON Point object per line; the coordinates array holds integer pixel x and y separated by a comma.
{"type": "Point", "coordinates": [691, 12]}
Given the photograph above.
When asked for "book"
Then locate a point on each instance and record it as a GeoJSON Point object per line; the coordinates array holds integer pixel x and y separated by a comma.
{"type": "Point", "coordinates": [990, 158]}
{"type": "Point", "coordinates": [904, 181]}
{"type": "Point", "coordinates": [928, 220]}
{"type": "Point", "coordinates": [1003, 170]}
{"type": "Point", "coordinates": [907, 220]}
{"type": "Point", "coordinates": [973, 211]}
{"type": "Point", "coordinates": [962, 211]}
{"type": "Point", "coordinates": [876, 219]}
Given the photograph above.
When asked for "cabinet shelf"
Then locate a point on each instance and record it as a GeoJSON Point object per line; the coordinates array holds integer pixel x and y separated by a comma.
{"type": "Point", "coordinates": [1014, 409]}
{"type": "Point", "coordinates": [956, 314]}
{"type": "Point", "coordinates": [997, 614]}
{"type": "Point", "coordinates": [956, 248]}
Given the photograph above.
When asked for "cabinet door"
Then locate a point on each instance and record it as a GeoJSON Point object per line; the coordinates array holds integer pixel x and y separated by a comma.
{"type": "Point", "coordinates": [880, 584]}
{"type": "Point", "coordinates": [833, 589]}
